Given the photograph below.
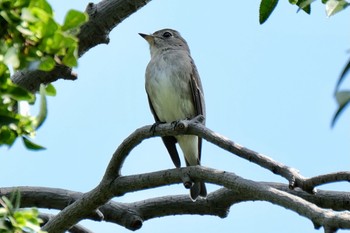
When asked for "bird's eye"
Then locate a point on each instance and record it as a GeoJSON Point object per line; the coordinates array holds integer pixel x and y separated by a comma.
{"type": "Point", "coordinates": [167, 34]}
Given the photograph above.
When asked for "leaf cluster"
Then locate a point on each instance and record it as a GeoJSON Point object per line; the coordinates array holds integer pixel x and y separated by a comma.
{"type": "Point", "coordinates": [332, 7]}
{"type": "Point", "coordinates": [16, 220]}
{"type": "Point", "coordinates": [31, 39]}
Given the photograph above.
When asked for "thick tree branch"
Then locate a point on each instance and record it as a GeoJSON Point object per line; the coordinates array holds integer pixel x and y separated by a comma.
{"type": "Point", "coordinates": [103, 17]}
{"type": "Point", "coordinates": [93, 204]}
{"type": "Point", "coordinates": [74, 229]}
{"type": "Point", "coordinates": [217, 203]}
{"type": "Point", "coordinates": [113, 184]}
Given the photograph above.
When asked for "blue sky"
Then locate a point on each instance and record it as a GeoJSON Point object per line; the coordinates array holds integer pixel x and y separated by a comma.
{"type": "Point", "coordinates": [268, 87]}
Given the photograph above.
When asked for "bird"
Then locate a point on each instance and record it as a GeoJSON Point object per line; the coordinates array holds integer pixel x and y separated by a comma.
{"type": "Point", "coordinates": [175, 92]}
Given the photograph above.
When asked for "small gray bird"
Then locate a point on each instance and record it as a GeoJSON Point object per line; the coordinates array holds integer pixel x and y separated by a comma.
{"type": "Point", "coordinates": [175, 93]}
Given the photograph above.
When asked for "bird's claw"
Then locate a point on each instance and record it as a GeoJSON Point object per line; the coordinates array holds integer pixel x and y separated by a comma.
{"type": "Point", "coordinates": [154, 126]}
{"type": "Point", "coordinates": [188, 184]}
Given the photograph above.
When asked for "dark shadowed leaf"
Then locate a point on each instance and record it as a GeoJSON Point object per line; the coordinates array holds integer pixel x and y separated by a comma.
{"type": "Point", "coordinates": [31, 145]}
{"type": "Point", "coordinates": [266, 8]}
{"type": "Point", "coordinates": [305, 5]}
{"type": "Point", "coordinates": [19, 93]}
{"type": "Point", "coordinates": [342, 76]}
{"type": "Point", "coordinates": [7, 136]}
{"type": "Point", "coordinates": [6, 120]}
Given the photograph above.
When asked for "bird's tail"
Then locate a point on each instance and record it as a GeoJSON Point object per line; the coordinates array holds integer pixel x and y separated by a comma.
{"type": "Point", "coordinates": [198, 189]}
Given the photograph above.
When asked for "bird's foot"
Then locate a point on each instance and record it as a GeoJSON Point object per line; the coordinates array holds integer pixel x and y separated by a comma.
{"type": "Point", "coordinates": [186, 180]}
{"type": "Point", "coordinates": [154, 126]}
{"type": "Point", "coordinates": [175, 123]}
{"type": "Point", "coordinates": [198, 119]}
{"type": "Point", "coordinates": [188, 184]}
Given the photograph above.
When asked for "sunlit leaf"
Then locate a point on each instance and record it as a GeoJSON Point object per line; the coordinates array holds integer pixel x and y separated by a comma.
{"type": "Point", "coordinates": [43, 4]}
{"type": "Point", "coordinates": [74, 19]}
{"type": "Point", "coordinates": [71, 58]}
{"type": "Point", "coordinates": [334, 6]}
{"type": "Point", "coordinates": [11, 57]}
{"type": "Point", "coordinates": [47, 63]}
{"type": "Point", "coordinates": [40, 118]}
{"type": "Point", "coordinates": [266, 8]}
{"type": "Point", "coordinates": [50, 90]}
{"type": "Point", "coordinates": [343, 100]}
{"type": "Point", "coordinates": [27, 15]}
{"type": "Point", "coordinates": [31, 145]}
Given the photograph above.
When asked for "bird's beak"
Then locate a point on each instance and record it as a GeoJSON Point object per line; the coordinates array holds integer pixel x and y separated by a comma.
{"type": "Point", "coordinates": [149, 38]}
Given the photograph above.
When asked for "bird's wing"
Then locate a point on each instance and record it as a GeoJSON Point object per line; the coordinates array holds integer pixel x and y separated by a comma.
{"type": "Point", "coordinates": [198, 100]}
{"type": "Point", "coordinates": [169, 141]}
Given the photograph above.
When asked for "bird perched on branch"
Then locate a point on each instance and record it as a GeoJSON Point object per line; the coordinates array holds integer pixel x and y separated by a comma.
{"type": "Point", "coordinates": [175, 93]}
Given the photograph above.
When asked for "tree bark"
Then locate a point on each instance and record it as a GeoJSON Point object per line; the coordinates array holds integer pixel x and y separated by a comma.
{"type": "Point", "coordinates": [320, 207]}
{"type": "Point", "coordinates": [103, 17]}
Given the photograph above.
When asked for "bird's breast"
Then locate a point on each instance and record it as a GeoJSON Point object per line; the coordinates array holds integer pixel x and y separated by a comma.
{"type": "Point", "coordinates": [168, 87]}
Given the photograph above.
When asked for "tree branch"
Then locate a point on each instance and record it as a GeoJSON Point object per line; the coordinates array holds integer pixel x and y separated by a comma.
{"type": "Point", "coordinates": [74, 229]}
{"type": "Point", "coordinates": [103, 17]}
{"type": "Point", "coordinates": [113, 184]}
{"type": "Point", "coordinates": [217, 203]}
{"type": "Point", "coordinates": [93, 204]}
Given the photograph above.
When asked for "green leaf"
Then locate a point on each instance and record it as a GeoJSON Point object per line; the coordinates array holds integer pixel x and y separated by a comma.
{"type": "Point", "coordinates": [305, 5]}
{"type": "Point", "coordinates": [16, 199]}
{"type": "Point", "coordinates": [11, 58]}
{"type": "Point", "coordinates": [6, 120]}
{"type": "Point", "coordinates": [18, 93]}
{"type": "Point", "coordinates": [343, 99]}
{"type": "Point", "coordinates": [31, 145]}
{"type": "Point", "coordinates": [7, 136]}
{"type": "Point", "coordinates": [47, 63]}
{"type": "Point", "coordinates": [334, 6]}
{"type": "Point", "coordinates": [42, 4]}
{"type": "Point", "coordinates": [27, 15]}
{"type": "Point", "coordinates": [71, 58]}
{"type": "Point", "coordinates": [39, 120]}
{"type": "Point", "coordinates": [266, 8]}
{"type": "Point", "coordinates": [74, 19]}
{"type": "Point", "coordinates": [342, 76]}
{"type": "Point", "coordinates": [50, 90]}
{"type": "Point", "coordinates": [8, 205]}
{"type": "Point", "coordinates": [4, 72]}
